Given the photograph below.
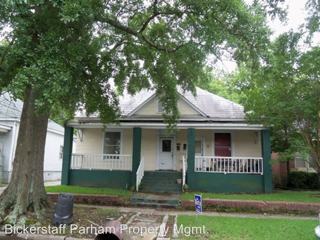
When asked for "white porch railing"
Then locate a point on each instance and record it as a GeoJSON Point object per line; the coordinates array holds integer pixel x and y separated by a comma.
{"type": "Point", "coordinates": [140, 174]}
{"type": "Point", "coordinates": [216, 164]}
{"type": "Point", "coordinates": [101, 161]}
{"type": "Point", "coordinates": [184, 171]}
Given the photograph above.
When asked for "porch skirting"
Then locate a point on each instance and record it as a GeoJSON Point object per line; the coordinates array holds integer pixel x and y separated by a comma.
{"type": "Point", "coordinates": [225, 183]}
{"type": "Point", "coordinates": [100, 178]}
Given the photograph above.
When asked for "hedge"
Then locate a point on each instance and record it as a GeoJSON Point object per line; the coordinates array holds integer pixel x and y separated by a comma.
{"type": "Point", "coordinates": [303, 180]}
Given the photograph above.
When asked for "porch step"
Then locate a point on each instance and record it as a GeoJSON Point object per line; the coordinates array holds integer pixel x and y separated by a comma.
{"type": "Point", "coordinates": [153, 200]}
{"type": "Point", "coordinates": [161, 182]}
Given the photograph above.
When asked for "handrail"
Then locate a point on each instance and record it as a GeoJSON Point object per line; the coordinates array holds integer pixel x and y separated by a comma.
{"type": "Point", "coordinates": [101, 161]}
{"type": "Point", "coordinates": [139, 174]}
{"type": "Point", "coordinates": [184, 172]}
{"type": "Point", "coordinates": [226, 165]}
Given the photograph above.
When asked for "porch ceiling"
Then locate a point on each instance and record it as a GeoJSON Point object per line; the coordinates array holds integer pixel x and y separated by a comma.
{"type": "Point", "coordinates": [155, 125]}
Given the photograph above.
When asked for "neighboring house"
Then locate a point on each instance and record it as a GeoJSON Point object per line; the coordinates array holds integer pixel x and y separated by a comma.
{"type": "Point", "coordinates": [298, 163]}
{"type": "Point", "coordinates": [212, 149]}
{"type": "Point", "coordinates": [10, 112]}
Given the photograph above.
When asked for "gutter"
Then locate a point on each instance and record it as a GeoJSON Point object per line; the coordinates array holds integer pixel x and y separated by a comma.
{"type": "Point", "coordinates": [220, 126]}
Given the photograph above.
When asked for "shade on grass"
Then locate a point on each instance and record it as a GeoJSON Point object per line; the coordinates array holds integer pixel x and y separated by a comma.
{"type": "Point", "coordinates": [288, 196]}
{"type": "Point", "coordinates": [231, 228]}
{"type": "Point", "coordinates": [88, 190]}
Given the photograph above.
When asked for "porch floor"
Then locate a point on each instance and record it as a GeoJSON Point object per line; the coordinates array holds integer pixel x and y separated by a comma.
{"type": "Point", "coordinates": [161, 182]}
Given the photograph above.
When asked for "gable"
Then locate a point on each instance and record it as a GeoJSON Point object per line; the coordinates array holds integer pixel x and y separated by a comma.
{"type": "Point", "coordinates": [151, 107]}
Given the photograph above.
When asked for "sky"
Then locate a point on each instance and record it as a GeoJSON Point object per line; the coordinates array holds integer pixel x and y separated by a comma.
{"type": "Point", "coordinates": [296, 15]}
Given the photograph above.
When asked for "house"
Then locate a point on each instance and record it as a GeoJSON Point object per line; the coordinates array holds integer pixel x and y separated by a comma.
{"type": "Point", "coordinates": [281, 169]}
{"type": "Point", "coordinates": [10, 112]}
{"type": "Point", "coordinates": [212, 149]}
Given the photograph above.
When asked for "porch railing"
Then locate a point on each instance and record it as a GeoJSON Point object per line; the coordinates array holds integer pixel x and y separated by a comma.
{"type": "Point", "coordinates": [101, 161]}
{"type": "Point", "coordinates": [184, 171]}
{"type": "Point", "coordinates": [216, 164]}
{"type": "Point", "coordinates": [140, 174]}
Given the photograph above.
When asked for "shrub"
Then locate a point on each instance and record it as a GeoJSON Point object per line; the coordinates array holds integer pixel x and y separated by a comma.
{"type": "Point", "coordinates": [303, 180]}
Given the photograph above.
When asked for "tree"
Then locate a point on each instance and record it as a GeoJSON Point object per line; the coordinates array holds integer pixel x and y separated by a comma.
{"type": "Point", "coordinates": [284, 94]}
{"type": "Point", "coordinates": [62, 55]}
{"type": "Point", "coordinates": [221, 85]}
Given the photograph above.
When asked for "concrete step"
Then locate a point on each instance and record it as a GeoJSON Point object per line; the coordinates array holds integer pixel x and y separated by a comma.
{"type": "Point", "coordinates": [161, 182]}
{"type": "Point", "coordinates": [153, 200]}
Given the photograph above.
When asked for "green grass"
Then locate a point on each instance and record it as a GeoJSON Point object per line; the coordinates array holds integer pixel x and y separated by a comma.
{"type": "Point", "coordinates": [288, 196]}
{"type": "Point", "coordinates": [232, 228]}
{"type": "Point", "coordinates": [88, 190]}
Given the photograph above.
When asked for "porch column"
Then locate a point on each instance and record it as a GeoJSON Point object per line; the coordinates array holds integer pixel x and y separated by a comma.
{"type": "Point", "coordinates": [266, 154]}
{"type": "Point", "coordinates": [67, 154]}
{"type": "Point", "coordinates": [136, 153]}
{"type": "Point", "coordinates": [191, 152]}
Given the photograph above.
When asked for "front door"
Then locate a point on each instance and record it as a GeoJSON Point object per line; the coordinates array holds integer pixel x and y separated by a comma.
{"type": "Point", "coordinates": [222, 144]}
{"type": "Point", "coordinates": [166, 153]}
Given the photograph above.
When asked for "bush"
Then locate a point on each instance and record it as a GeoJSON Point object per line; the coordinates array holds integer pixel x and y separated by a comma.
{"type": "Point", "coordinates": [303, 180]}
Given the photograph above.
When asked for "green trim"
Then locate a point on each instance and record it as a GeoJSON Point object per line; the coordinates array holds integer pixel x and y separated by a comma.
{"type": "Point", "coordinates": [226, 183]}
{"type": "Point", "coordinates": [136, 153]}
{"type": "Point", "coordinates": [266, 154]}
{"type": "Point", "coordinates": [191, 135]}
{"type": "Point", "coordinates": [67, 153]}
{"type": "Point", "coordinates": [100, 178]}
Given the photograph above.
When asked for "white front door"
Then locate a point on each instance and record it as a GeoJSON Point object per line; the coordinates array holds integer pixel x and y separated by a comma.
{"type": "Point", "coordinates": [166, 153]}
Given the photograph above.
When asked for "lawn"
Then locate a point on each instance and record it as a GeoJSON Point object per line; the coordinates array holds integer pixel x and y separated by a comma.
{"type": "Point", "coordinates": [88, 190]}
{"type": "Point", "coordinates": [288, 196]}
{"type": "Point", "coordinates": [231, 228]}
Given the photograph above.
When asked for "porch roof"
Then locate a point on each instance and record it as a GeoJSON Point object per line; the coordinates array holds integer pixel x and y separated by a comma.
{"type": "Point", "coordinates": [162, 125]}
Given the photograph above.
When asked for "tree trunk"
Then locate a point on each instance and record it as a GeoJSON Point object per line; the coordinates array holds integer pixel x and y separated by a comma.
{"type": "Point", "coordinates": [26, 191]}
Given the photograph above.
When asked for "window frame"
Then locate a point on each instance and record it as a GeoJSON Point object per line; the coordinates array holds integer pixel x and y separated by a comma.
{"type": "Point", "coordinates": [104, 137]}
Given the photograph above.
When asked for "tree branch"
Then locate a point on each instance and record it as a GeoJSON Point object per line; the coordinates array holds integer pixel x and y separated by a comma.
{"type": "Point", "coordinates": [139, 35]}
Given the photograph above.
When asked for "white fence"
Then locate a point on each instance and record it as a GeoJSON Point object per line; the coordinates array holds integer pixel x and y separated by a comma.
{"type": "Point", "coordinates": [101, 161]}
{"type": "Point", "coordinates": [215, 164]}
{"type": "Point", "coordinates": [139, 174]}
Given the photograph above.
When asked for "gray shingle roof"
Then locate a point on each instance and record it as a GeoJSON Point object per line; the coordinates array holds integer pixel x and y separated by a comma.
{"type": "Point", "coordinates": [11, 109]}
{"type": "Point", "coordinates": [211, 105]}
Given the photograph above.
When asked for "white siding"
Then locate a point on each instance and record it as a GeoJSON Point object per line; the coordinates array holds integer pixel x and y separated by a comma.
{"type": "Point", "coordinates": [52, 160]}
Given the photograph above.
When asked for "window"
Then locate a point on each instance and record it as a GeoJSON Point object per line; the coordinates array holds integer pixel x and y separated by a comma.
{"type": "Point", "coordinates": [160, 107]}
{"type": "Point", "coordinates": [198, 148]}
{"type": "Point", "coordinates": [61, 152]}
{"type": "Point", "coordinates": [166, 145]}
{"type": "Point", "coordinates": [112, 141]}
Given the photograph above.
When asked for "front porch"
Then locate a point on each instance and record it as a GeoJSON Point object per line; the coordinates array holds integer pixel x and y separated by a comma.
{"type": "Point", "coordinates": [188, 152]}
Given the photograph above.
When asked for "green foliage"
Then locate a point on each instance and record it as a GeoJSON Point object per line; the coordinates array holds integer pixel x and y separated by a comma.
{"type": "Point", "coordinates": [84, 54]}
{"type": "Point", "coordinates": [284, 94]}
{"type": "Point", "coordinates": [221, 85]}
{"type": "Point", "coordinates": [303, 180]}
{"type": "Point", "coordinates": [313, 8]}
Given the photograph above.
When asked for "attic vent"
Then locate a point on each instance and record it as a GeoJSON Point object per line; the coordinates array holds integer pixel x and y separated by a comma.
{"type": "Point", "coordinates": [160, 107]}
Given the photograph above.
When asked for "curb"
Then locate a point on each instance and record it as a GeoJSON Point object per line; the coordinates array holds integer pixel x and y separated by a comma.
{"type": "Point", "coordinates": [217, 205]}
